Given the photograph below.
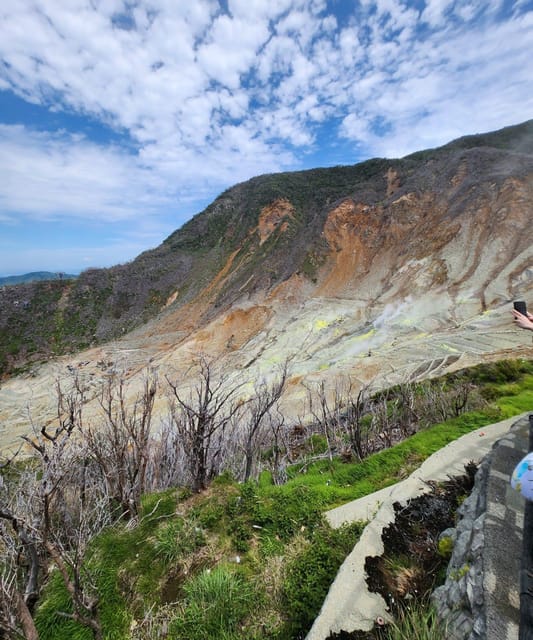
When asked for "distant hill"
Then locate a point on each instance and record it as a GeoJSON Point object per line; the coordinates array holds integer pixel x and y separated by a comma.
{"type": "Point", "coordinates": [443, 232]}
{"type": "Point", "coordinates": [35, 276]}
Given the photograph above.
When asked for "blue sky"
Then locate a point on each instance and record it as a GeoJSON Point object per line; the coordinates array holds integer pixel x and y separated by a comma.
{"type": "Point", "coordinates": [119, 120]}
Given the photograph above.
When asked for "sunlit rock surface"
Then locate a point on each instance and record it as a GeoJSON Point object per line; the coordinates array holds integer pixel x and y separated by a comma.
{"type": "Point", "coordinates": [410, 275]}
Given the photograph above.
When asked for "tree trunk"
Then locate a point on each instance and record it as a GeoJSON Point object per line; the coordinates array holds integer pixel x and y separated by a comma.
{"type": "Point", "coordinates": [26, 620]}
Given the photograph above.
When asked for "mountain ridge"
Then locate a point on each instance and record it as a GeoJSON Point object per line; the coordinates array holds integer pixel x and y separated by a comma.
{"type": "Point", "coordinates": [398, 271]}
{"type": "Point", "coordinates": [33, 276]}
{"type": "Point", "coordinates": [383, 266]}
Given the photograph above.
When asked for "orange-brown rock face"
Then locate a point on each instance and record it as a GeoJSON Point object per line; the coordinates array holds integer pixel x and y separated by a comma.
{"type": "Point", "coordinates": [272, 216]}
{"type": "Point", "coordinates": [393, 181]}
{"type": "Point", "coordinates": [401, 270]}
{"type": "Point", "coordinates": [353, 233]}
{"type": "Point", "coordinates": [367, 239]}
{"type": "Point", "coordinates": [231, 331]}
{"type": "Point", "coordinates": [421, 236]}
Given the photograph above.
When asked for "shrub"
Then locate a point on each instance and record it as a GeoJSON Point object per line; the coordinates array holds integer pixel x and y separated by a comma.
{"type": "Point", "coordinates": [499, 372]}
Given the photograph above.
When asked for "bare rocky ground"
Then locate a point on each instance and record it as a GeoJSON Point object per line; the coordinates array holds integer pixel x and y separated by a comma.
{"type": "Point", "coordinates": [416, 277]}
{"type": "Point", "coordinates": [327, 339]}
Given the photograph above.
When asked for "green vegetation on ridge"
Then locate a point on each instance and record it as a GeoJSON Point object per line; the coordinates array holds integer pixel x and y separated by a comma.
{"type": "Point", "coordinates": [102, 304]}
{"type": "Point", "coordinates": [254, 561]}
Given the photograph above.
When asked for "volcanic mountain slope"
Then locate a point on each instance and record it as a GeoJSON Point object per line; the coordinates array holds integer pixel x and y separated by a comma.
{"type": "Point", "coordinates": [382, 271]}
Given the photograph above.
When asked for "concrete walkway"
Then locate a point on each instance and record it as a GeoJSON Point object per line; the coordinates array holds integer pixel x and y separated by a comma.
{"type": "Point", "coordinates": [350, 606]}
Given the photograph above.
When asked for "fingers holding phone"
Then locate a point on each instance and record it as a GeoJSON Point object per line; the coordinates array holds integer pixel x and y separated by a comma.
{"type": "Point", "coordinates": [522, 318]}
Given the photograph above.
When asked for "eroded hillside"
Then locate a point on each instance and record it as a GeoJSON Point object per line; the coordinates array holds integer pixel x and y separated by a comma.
{"type": "Point", "coordinates": [382, 271]}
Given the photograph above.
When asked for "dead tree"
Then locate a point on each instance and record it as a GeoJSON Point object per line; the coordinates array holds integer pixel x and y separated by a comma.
{"type": "Point", "coordinates": [326, 416]}
{"type": "Point", "coordinates": [17, 600]}
{"type": "Point", "coordinates": [200, 419]}
{"type": "Point", "coordinates": [120, 443]}
{"type": "Point", "coordinates": [166, 459]}
{"type": "Point", "coordinates": [395, 414]}
{"type": "Point", "coordinates": [50, 508]}
{"type": "Point", "coordinates": [460, 397]}
{"type": "Point", "coordinates": [408, 409]}
{"type": "Point", "coordinates": [19, 588]}
{"type": "Point", "coordinates": [357, 407]}
{"type": "Point", "coordinates": [340, 417]}
{"type": "Point", "coordinates": [278, 455]}
{"type": "Point", "coordinates": [381, 422]}
{"type": "Point", "coordinates": [266, 396]}
{"type": "Point", "coordinates": [70, 559]}
{"type": "Point", "coordinates": [27, 552]}
{"type": "Point", "coordinates": [30, 545]}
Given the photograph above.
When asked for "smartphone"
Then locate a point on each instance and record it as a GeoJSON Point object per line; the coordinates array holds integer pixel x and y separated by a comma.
{"type": "Point", "coordinates": [520, 306]}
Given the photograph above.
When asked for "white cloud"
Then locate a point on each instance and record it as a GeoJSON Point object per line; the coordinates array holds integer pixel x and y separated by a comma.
{"type": "Point", "coordinates": [210, 97]}
{"type": "Point", "coordinates": [435, 10]}
{"type": "Point", "coordinates": [231, 49]}
{"type": "Point", "coordinates": [49, 175]}
{"type": "Point", "coordinates": [457, 82]}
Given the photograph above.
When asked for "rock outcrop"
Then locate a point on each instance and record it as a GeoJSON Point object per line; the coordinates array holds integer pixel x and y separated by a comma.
{"type": "Point", "coordinates": [381, 272]}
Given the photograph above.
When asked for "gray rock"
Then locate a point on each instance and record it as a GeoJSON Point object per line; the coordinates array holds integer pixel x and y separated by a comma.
{"type": "Point", "coordinates": [459, 602]}
{"type": "Point", "coordinates": [448, 533]}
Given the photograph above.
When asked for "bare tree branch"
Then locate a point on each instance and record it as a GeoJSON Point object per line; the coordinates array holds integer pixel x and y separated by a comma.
{"type": "Point", "coordinates": [201, 419]}
{"type": "Point", "coordinates": [266, 396]}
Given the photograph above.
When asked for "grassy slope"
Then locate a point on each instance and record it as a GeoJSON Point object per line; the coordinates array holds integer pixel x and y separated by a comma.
{"type": "Point", "coordinates": [287, 555]}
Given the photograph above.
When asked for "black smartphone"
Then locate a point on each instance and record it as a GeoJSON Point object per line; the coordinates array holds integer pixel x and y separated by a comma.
{"type": "Point", "coordinates": [520, 306]}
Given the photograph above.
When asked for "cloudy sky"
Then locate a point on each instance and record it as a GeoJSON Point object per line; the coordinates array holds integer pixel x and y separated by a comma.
{"type": "Point", "coordinates": [121, 119]}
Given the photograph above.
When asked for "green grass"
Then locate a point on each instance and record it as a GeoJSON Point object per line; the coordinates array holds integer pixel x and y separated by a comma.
{"type": "Point", "coordinates": [215, 606]}
{"type": "Point", "coordinates": [417, 622]}
{"type": "Point", "coordinates": [330, 483]}
{"type": "Point", "coordinates": [310, 573]}
{"type": "Point", "coordinates": [177, 538]}
{"type": "Point", "coordinates": [253, 561]}
{"type": "Point", "coordinates": [50, 623]}
{"type": "Point", "coordinates": [127, 569]}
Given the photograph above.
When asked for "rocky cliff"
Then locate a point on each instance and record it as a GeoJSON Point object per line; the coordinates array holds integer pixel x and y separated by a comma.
{"type": "Point", "coordinates": [381, 271]}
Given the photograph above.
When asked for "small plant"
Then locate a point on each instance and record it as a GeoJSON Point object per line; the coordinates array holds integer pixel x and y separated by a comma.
{"type": "Point", "coordinates": [178, 538]}
{"type": "Point", "coordinates": [445, 547]}
{"type": "Point", "coordinates": [459, 573]}
{"type": "Point", "coordinates": [419, 622]}
{"type": "Point", "coordinates": [216, 603]}
{"type": "Point", "coordinates": [240, 534]}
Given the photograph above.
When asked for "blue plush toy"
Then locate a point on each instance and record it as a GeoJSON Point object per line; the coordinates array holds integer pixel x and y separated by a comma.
{"type": "Point", "coordinates": [522, 478]}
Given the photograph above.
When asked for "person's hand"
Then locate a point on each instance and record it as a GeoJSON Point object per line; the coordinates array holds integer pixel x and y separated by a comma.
{"type": "Point", "coordinates": [524, 321]}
